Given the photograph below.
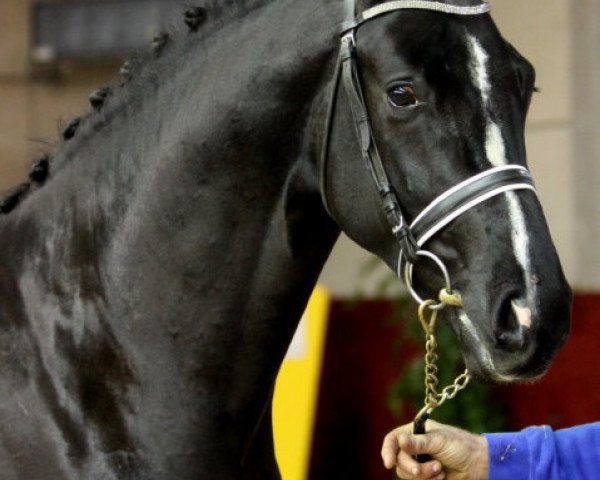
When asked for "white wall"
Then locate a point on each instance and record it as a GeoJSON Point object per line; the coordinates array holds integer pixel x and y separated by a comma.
{"type": "Point", "coordinates": [541, 31]}
{"type": "Point", "coordinates": [585, 23]}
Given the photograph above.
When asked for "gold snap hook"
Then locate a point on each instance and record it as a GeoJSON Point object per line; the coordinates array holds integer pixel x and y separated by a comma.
{"type": "Point", "coordinates": [428, 322]}
{"type": "Point", "coordinates": [450, 297]}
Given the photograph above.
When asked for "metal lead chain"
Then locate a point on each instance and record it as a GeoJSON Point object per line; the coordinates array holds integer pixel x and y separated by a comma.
{"type": "Point", "coordinates": [428, 312]}
{"type": "Point", "coordinates": [433, 398]}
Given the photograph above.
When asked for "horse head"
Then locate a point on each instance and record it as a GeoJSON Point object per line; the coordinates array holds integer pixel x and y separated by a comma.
{"type": "Point", "coordinates": [438, 99]}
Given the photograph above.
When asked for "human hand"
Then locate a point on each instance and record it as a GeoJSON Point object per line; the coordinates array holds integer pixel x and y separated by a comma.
{"type": "Point", "coordinates": [457, 454]}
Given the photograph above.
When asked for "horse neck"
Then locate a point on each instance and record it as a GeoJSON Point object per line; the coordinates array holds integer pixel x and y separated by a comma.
{"type": "Point", "coordinates": [190, 228]}
{"type": "Point", "coordinates": [210, 118]}
{"type": "Point", "coordinates": [243, 237]}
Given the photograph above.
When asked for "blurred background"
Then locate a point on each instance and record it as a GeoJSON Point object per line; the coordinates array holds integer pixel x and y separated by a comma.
{"type": "Point", "coordinates": [54, 53]}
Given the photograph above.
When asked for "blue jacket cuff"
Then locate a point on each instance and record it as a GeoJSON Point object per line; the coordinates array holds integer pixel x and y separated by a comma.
{"type": "Point", "coordinates": [509, 456]}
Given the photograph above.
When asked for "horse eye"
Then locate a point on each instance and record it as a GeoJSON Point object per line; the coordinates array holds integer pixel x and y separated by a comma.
{"type": "Point", "coordinates": [402, 96]}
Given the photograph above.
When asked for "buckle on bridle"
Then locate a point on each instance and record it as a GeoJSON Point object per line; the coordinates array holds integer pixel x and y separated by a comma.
{"type": "Point", "coordinates": [400, 229]}
{"type": "Point", "coordinates": [407, 241]}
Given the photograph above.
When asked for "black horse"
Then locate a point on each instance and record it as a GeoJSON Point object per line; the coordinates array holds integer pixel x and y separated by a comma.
{"type": "Point", "coordinates": [149, 290]}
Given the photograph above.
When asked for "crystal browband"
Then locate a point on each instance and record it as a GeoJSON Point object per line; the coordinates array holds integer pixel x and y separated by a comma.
{"type": "Point", "coordinates": [430, 5]}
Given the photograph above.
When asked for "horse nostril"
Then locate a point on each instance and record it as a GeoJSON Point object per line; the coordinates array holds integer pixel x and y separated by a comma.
{"type": "Point", "coordinates": [511, 324]}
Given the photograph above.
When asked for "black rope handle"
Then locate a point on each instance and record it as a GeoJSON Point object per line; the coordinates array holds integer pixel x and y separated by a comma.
{"type": "Point", "coordinates": [419, 429]}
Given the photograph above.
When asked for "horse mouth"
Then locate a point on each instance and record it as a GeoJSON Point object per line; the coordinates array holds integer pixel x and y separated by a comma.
{"type": "Point", "coordinates": [496, 365]}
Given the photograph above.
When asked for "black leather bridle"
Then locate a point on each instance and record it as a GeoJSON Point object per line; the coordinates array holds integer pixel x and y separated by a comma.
{"type": "Point", "coordinates": [452, 203]}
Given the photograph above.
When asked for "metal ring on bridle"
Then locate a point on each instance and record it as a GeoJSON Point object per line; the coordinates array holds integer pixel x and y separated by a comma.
{"type": "Point", "coordinates": [408, 272]}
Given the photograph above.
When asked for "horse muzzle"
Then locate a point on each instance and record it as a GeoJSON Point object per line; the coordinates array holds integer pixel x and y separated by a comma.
{"type": "Point", "coordinates": [521, 341]}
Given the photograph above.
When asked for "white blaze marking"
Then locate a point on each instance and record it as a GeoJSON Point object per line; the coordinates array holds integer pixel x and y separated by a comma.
{"type": "Point", "coordinates": [496, 154]}
{"type": "Point", "coordinates": [478, 66]}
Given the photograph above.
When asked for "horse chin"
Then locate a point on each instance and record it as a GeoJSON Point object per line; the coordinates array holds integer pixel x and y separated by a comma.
{"type": "Point", "coordinates": [484, 373]}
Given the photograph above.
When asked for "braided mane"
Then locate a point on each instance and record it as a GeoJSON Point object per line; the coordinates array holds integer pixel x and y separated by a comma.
{"type": "Point", "coordinates": [139, 77]}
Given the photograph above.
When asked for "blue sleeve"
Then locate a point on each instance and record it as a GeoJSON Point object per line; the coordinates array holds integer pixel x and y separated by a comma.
{"type": "Point", "coordinates": [539, 453]}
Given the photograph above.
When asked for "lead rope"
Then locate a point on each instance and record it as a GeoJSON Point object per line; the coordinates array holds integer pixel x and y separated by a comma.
{"type": "Point", "coordinates": [433, 398]}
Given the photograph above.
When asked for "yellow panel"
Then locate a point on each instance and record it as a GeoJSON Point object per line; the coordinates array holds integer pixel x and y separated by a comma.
{"type": "Point", "coordinates": [296, 390]}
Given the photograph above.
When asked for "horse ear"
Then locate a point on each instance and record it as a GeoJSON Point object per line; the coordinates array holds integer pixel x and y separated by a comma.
{"type": "Point", "coordinates": [71, 129]}
{"type": "Point", "coordinates": [40, 170]}
{"type": "Point", "coordinates": [98, 98]}
{"type": "Point", "coordinates": [159, 41]}
{"type": "Point", "coordinates": [194, 17]}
